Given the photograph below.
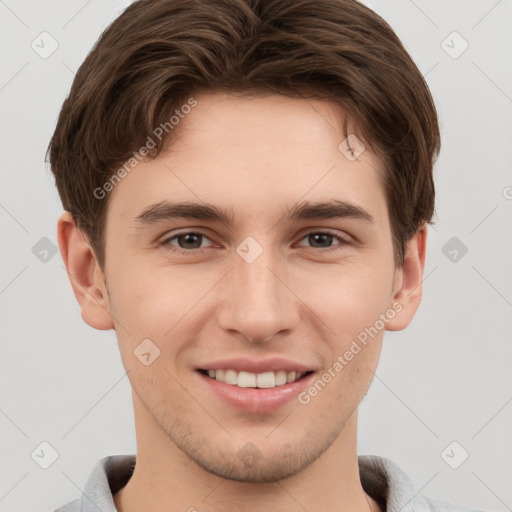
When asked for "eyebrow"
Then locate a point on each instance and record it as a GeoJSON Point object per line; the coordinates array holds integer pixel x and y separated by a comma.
{"type": "Point", "coordinates": [165, 210]}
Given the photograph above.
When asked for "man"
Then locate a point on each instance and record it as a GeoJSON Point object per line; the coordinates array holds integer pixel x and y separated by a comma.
{"type": "Point", "coordinates": [247, 187]}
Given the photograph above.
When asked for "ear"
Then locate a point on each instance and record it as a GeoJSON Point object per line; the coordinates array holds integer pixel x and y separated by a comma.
{"type": "Point", "coordinates": [84, 273]}
{"type": "Point", "coordinates": [407, 289]}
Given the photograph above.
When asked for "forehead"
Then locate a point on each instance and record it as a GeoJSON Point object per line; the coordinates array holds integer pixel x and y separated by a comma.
{"type": "Point", "coordinates": [275, 122]}
{"type": "Point", "coordinates": [253, 155]}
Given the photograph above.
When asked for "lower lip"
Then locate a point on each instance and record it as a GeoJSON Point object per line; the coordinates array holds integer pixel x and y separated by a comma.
{"type": "Point", "coordinates": [257, 400]}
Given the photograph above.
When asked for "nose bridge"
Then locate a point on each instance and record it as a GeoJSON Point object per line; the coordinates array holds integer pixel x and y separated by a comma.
{"type": "Point", "coordinates": [257, 303]}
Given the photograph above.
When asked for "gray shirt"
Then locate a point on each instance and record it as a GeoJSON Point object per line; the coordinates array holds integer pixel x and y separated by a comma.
{"type": "Point", "coordinates": [381, 478]}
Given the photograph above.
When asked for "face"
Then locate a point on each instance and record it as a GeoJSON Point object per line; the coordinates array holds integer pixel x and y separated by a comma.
{"type": "Point", "coordinates": [251, 301]}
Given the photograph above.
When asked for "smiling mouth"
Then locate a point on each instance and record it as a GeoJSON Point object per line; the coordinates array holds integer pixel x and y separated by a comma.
{"type": "Point", "coordinates": [244, 379]}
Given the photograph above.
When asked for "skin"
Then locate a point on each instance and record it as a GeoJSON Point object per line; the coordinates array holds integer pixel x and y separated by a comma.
{"type": "Point", "coordinates": [257, 156]}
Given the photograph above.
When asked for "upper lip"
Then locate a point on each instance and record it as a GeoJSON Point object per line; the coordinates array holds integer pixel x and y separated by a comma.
{"type": "Point", "coordinates": [242, 364]}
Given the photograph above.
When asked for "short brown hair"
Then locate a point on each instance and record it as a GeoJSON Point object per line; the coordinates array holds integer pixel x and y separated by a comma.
{"type": "Point", "coordinates": [159, 52]}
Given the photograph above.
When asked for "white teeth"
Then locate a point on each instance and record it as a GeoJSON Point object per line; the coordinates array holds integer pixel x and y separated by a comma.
{"type": "Point", "coordinates": [280, 378]}
{"type": "Point", "coordinates": [231, 377]}
{"type": "Point", "coordinates": [266, 380]}
{"type": "Point", "coordinates": [254, 380]}
{"type": "Point", "coordinates": [246, 380]}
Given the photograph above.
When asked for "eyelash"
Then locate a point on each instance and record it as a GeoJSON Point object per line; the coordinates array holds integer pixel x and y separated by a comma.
{"type": "Point", "coordinates": [179, 250]}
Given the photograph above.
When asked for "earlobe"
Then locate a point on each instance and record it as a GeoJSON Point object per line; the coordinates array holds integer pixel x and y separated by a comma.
{"type": "Point", "coordinates": [409, 280]}
{"type": "Point", "coordinates": [84, 273]}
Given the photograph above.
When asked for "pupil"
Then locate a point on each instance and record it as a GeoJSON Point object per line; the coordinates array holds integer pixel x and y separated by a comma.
{"type": "Point", "coordinates": [323, 238]}
{"type": "Point", "coordinates": [189, 240]}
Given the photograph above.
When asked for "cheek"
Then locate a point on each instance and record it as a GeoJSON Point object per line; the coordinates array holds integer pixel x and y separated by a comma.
{"type": "Point", "coordinates": [348, 297]}
{"type": "Point", "coordinates": [349, 302]}
{"type": "Point", "coordinates": [150, 297]}
{"type": "Point", "coordinates": [160, 304]}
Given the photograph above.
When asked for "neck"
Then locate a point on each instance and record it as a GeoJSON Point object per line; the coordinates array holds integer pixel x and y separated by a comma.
{"type": "Point", "coordinates": [166, 479]}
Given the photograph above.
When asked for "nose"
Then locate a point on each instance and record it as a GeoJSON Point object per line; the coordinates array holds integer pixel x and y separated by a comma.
{"type": "Point", "coordinates": [258, 302]}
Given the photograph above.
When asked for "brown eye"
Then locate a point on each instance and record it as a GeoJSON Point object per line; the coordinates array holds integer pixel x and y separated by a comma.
{"type": "Point", "coordinates": [189, 240]}
{"type": "Point", "coordinates": [320, 239]}
{"type": "Point", "coordinates": [186, 241]}
{"type": "Point", "coordinates": [324, 240]}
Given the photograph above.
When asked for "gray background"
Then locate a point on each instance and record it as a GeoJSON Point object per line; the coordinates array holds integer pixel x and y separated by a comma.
{"type": "Point", "coordinates": [446, 378]}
